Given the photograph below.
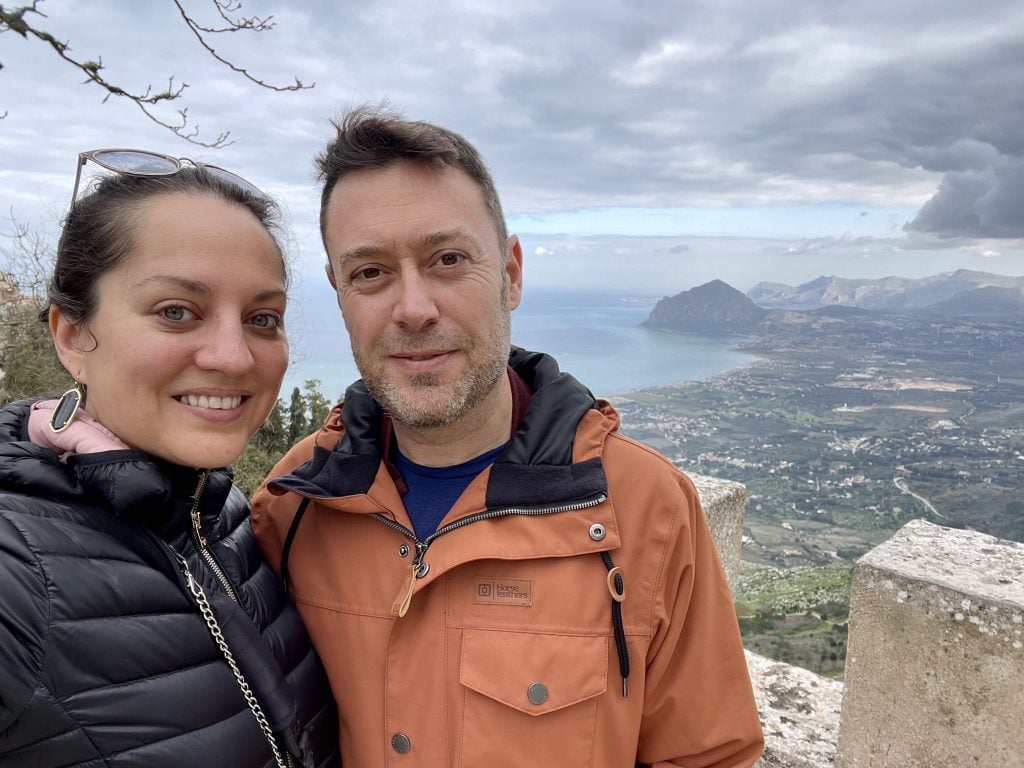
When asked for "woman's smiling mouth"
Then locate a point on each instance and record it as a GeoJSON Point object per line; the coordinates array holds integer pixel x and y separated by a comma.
{"type": "Point", "coordinates": [211, 401]}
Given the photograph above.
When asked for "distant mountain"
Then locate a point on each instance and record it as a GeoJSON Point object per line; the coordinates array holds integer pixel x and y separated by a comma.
{"type": "Point", "coordinates": [981, 302]}
{"type": "Point", "coordinates": [886, 293]}
{"type": "Point", "coordinates": [714, 307]}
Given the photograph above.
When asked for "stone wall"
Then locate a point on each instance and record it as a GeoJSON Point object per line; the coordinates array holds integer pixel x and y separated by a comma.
{"type": "Point", "coordinates": [725, 504]}
{"type": "Point", "coordinates": [935, 664]}
{"type": "Point", "coordinates": [799, 709]}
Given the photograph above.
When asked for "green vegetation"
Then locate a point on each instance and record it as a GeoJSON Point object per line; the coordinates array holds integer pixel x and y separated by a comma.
{"type": "Point", "coordinates": [305, 412]}
{"type": "Point", "coordinates": [797, 614]}
{"type": "Point", "coordinates": [30, 366]}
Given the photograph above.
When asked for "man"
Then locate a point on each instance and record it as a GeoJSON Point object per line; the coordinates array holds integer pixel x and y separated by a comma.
{"type": "Point", "coordinates": [493, 575]}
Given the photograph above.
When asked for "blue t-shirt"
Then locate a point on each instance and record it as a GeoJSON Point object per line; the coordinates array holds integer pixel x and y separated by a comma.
{"type": "Point", "coordinates": [433, 490]}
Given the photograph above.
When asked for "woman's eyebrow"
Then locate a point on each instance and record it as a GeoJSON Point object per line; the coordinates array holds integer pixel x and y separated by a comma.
{"type": "Point", "coordinates": [193, 286]}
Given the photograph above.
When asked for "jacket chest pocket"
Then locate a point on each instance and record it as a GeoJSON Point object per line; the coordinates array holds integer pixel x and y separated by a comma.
{"type": "Point", "coordinates": [530, 699]}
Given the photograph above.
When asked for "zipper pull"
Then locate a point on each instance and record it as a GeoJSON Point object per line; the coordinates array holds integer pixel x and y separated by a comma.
{"type": "Point", "coordinates": [417, 570]}
{"type": "Point", "coordinates": [404, 598]}
{"type": "Point", "coordinates": [196, 522]}
{"type": "Point", "coordinates": [198, 527]}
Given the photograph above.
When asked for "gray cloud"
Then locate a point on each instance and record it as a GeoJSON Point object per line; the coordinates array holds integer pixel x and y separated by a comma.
{"type": "Point", "coordinates": [585, 104]}
{"type": "Point", "coordinates": [987, 202]}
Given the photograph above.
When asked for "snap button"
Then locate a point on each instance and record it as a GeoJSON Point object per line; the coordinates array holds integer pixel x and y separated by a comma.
{"type": "Point", "coordinates": [422, 570]}
{"type": "Point", "coordinates": [400, 743]}
{"type": "Point", "coordinates": [403, 551]}
{"type": "Point", "coordinates": [537, 693]}
{"type": "Point", "coordinates": [597, 532]}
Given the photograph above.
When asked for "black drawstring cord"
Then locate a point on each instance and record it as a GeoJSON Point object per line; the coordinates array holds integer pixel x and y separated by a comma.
{"type": "Point", "coordinates": [287, 548]}
{"type": "Point", "coordinates": [617, 588]}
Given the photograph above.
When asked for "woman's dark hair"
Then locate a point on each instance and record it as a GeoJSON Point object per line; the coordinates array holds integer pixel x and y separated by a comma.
{"type": "Point", "coordinates": [99, 231]}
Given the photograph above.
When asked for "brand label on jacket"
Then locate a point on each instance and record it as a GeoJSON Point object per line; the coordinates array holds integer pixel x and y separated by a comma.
{"type": "Point", "coordinates": [491, 590]}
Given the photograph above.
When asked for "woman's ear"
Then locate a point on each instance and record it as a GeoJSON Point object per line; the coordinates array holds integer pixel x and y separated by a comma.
{"type": "Point", "coordinates": [67, 340]}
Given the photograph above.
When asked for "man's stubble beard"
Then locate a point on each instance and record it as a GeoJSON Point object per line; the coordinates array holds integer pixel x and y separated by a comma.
{"type": "Point", "coordinates": [425, 402]}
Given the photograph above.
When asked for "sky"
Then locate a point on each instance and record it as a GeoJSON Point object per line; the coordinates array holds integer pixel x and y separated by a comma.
{"type": "Point", "coordinates": [645, 147]}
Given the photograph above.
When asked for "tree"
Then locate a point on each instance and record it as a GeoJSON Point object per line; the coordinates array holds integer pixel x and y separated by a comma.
{"type": "Point", "coordinates": [272, 435]}
{"type": "Point", "coordinates": [305, 413]}
{"type": "Point", "coordinates": [23, 20]}
{"type": "Point", "coordinates": [317, 405]}
{"type": "Point", "coordinates": [298, 426]}
{"type": "Point", "coordinates": [262, 452]}
{"type": "Point", "coordinates": [29, 363]}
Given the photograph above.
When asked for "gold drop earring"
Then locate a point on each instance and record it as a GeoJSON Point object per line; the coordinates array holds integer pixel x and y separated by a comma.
{"type": "Point", "coordinates": [67, 408]}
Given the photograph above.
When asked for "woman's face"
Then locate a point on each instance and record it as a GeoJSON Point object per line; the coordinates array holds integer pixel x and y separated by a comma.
{"type": "Point", "coordinates": [185, 353]}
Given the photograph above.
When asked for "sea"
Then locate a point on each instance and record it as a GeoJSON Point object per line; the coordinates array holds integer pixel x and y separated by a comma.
{"type": "Point", "coordinates": [595, 336]}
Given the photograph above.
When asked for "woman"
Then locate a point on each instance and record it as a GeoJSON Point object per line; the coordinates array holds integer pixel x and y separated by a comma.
{"type": "Point", "coordinates": [138, 624]}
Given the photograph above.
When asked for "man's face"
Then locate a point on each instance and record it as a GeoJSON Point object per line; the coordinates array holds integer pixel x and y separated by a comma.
{"type": "Point", "coordinates": [424, 287]}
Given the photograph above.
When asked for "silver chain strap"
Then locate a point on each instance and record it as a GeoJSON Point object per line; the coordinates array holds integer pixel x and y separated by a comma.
{"type": "Point", "coordinates": [218, 637]}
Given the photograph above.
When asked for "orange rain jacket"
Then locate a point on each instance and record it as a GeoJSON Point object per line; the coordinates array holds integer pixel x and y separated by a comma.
{"type": "Point", "coordinates": [492, 643]}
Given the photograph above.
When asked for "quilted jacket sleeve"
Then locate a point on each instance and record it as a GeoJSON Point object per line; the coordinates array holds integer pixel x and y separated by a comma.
{"type": "Point", "coordinates": [24, 606]}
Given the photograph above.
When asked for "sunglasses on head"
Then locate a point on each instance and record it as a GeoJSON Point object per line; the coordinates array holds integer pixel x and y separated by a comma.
{"type": "Point", "coordinates": [140, 162]}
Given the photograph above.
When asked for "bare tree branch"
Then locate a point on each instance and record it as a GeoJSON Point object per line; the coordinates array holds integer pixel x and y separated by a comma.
{"type": "Point", "coordinates": [255, 23]}
{"type": "Point", "coordinates": [13, 20]}
{"type": "Point", "coordinates": [29, 364]}
{"type": "Point", "coordinates": [26, 261]}
{"type": "Point", "coordinates": [224, 7]}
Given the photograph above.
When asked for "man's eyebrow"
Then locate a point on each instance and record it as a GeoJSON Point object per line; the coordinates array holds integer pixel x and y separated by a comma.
{"type": "Point", "coordinates": [442, 236]}
{"type": "Point", "coordinates": [433, 239]}
{"type": "Point", "coordinates": [360, 253]}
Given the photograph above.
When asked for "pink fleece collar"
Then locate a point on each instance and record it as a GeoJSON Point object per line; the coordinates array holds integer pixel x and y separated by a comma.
{"type": "Point", "coordinates": [85, 435]}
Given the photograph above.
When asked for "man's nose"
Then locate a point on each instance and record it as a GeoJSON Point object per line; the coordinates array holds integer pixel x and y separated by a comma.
{"type": "Point", "coordinates": [415, 307]}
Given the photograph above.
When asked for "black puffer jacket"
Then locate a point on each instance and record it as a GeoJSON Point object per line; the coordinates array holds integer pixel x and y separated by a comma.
{"type": "Point", "coordinates": [105, 659]}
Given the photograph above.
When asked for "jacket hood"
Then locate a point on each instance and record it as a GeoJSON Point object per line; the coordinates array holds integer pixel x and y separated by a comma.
{"type": "Point", "coordinates": [536, 467]}
{"type": "Point", "coordinates": [132, 484]}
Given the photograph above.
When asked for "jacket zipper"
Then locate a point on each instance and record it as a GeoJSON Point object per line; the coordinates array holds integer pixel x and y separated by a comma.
{"type": "Point", "coordinates": [419, 569]}
{"type": "Point", "coordinates": [200, 539]}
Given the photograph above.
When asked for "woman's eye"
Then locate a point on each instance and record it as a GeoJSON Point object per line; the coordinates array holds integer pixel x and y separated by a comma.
{"type": "Point", "coordinates": [266, 320]}
{"type": "Point", "coordinates": [174, 314]}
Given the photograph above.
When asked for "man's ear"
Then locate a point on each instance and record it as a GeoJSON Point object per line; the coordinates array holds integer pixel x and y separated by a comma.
{"type": "Point", "coordinates": [514, 271]}
{"type": "Point", "coordinates": [67, 340]}
{"type": "Point", "coordinates": [329, 269]}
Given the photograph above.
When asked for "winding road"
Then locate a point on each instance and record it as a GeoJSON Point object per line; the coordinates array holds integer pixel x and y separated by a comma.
{"type": "Point", "coordinates": [901, 483]}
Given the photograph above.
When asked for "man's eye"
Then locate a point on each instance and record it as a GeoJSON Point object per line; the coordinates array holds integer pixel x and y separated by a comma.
{"type": "Point", "coordinates": [368, 273]}
{"type": "Point", "coordinates": [450, 259]}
